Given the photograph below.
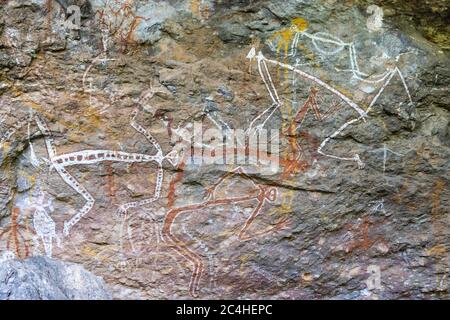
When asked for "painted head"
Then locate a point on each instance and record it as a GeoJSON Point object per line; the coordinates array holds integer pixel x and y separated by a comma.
{"type": "Point", "coordinates": [271, 194]}
{"type": "Point", "coordinates": [299, 24]}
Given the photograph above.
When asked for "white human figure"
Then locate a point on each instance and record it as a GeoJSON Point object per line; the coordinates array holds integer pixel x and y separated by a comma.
{"type": "Point", "coordinates": [45, 228]}
{"type": "Point", "coordinates": [43, 224]}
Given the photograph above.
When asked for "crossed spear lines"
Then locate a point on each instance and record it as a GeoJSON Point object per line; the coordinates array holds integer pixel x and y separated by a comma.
{"type": "Point", "coordinates": [86, 157]}
{"type": "Point", "coordinates": [277, 103]}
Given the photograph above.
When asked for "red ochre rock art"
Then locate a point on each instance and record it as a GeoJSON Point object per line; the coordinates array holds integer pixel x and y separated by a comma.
{"type": "Point", "coordinates": [96, 138]}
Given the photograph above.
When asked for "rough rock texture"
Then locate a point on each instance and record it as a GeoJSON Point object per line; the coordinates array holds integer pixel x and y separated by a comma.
{"type": "Point", "coordinates": [40, 278]}
{"type": "Point", "coordinates": [95, 118]}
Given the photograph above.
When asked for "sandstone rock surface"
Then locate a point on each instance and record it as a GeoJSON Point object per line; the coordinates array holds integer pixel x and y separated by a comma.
{"type": "Point", "coordinates": [98, 106]}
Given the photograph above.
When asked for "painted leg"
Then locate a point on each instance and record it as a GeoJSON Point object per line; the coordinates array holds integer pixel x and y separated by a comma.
{"type": "Point", "coordinates": [159, 180]}
{"type": "Point", "coordinates": [192, 257]}
{"type": "Point", "coordinates": [47, 240]}
{"type": "Point", "coordinates": [355, 158]}
{"type": "Point", "coordinates": [51, 150]}
{"type": "Point", "coordinates": [182, 249]}
{"type": "Point", "coordinates": [75, 185]}
{"type": "Point", "coordinates": [144, 132]}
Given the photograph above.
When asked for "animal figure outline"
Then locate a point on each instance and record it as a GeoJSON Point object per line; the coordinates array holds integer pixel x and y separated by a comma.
{"type": "Point", "coordinates": [263, 69]}
{"type": "Point", "coordinates": [265, 194]}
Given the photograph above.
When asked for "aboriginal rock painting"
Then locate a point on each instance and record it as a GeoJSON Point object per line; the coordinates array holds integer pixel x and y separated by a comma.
{"type": "Point", "coordinates": [16, 237]}
{"type": "Point", "coordinates": [336, 98]}
{"type": "Point", "coordinates": [100, 161]}
{"type": "Point", "coordinates": [214, 197]}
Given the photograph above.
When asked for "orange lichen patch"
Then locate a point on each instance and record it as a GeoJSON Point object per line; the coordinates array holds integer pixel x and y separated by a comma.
{"type": "Point", "coordinates": [90, 115]}
{"type": "Point", "coordinates": [172, 50]}
{"type": "Point", "coordinates": [90, 252]}
{"type": "Point", "coordinates": [436, 250]}
{"type": "Point", "coordinates": [286, 36]}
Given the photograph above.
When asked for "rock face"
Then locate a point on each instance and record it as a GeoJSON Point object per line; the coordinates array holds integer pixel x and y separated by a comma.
{"type": "Point", "coordinates": [230, 149]}
{"type": "Point", "coordinates": [40, 278]}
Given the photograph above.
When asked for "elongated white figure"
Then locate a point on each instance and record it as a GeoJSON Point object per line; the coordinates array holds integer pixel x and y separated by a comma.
{"type": "Point", "coordinates": [86, 157]}
{"type": "Point", "coordinates": [327, 44]}
{"type": "Point", "coordinates": [45, 228]}
{"type": "Point", "coordinates": [363, 114]}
